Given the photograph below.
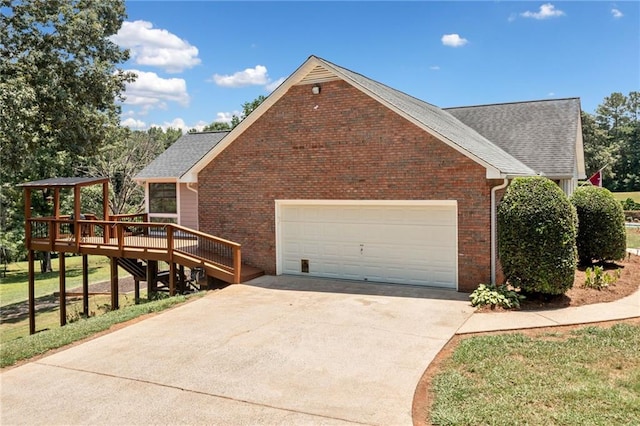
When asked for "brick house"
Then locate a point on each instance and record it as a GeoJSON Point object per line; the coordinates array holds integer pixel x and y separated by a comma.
{"type": "Point", "coordinates": [339, 176]}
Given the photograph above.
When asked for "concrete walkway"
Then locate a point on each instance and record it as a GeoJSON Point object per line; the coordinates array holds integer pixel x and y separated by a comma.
{"type": "Point", "coordinates": [628, 307]}
{"type": "Point", "coordinates": [276, 351]}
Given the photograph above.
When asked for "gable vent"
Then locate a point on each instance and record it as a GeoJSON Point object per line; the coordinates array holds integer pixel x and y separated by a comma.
{"type": "Point", "coordinates": [318, 75]}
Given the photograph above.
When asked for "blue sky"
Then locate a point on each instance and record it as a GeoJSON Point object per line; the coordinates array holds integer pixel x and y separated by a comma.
{"type": "Point", "coordinates": [199, 61]}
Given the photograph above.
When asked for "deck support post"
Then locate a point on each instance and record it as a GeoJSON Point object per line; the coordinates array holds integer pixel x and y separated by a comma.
{"type": "Point", "coordinates": [114, 283]}
{"type": "Point", "coordinates": [182, 279]}
{"type": "Point", "coordinates": [85, 285]}
{"type": "Point", "coordinates": [152, 277]}
{"type": "Point", "coordinates": [63, 288]}
{"type": "Point", "coordinates": [136, 290]}
{"type": "Point", "coordinates": [172, 279]}
{"type": "Point", "coordinates": [32, 292]}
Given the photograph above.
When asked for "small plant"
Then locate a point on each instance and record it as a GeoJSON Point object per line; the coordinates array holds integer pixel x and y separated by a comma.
{"type": "Point", "coordinates": [598, 279]}
{"type": "Point", "coordinates": [492, 295]}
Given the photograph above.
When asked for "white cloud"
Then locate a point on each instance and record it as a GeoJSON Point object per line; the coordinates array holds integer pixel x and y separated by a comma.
{"type": "Point", "coordinates": [156, 47]}
{"type": "Point", "coordinates": [616, 13]}
{"type": "Point", "coordinates": [150, 91]}
{"type": "Point", "coordinates": [134, 124]}
{"type": "Point", "coordinates": [546, 11]}
{"type": "Point", "coordinates": [274, 84]}
{"type": "Point", "coordinates": [225, 117]}
{"type": "Point", "coordinates": [551, 94]}
{"type": "Point", "coordinates": [434, 67]}
{"type": "Point", "coordinates": [453, 40]}
{"type": "Point", "coordinates": [179, 123]}
{"type": "Point", "coordinates": [250, 77]}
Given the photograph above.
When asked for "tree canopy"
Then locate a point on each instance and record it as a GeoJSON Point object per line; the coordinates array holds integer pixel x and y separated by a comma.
{"type": "Point", "coordinates": [58, 91]}
{"type": "Point", "coordinates": [612, 140]}
{"type": "Point", "coordinates": [59, 79]}
{"type": "Point", "coordinates": [247, 108]}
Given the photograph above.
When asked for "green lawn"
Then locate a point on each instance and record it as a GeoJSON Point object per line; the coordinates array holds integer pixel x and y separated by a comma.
{"type": "Point", "coordinates": [589, 376]}
{"type": "Point", "coordinates": [14, 294]}
{"type": "Point", "coordinates": [622, 196]}
{"type": "Point", "coordinates": [29, 346]}
{"type": "Point", "coordinates": [633, 237]}
{"type": "Point", "coordinates": [14, 286]}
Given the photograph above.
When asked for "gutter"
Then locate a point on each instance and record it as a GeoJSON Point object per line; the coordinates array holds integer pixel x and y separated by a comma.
{"type": "Point", "coordinates": [494, 228]}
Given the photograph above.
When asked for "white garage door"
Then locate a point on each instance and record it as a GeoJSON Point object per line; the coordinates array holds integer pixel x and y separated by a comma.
{"type": "Point", "coordinates": [413, 243]}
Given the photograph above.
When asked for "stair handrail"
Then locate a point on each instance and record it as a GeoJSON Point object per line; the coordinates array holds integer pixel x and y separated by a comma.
{"type": "Point", "coordinates": [120, 241]}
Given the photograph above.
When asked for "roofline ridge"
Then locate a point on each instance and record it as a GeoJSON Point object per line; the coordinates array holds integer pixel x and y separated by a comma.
{"type": "Point", "coordinates": [515, 102]}
{"type": "Point", "coordinates": [377, 82]}
{"type": "Point", "coordinates": [207, 131]}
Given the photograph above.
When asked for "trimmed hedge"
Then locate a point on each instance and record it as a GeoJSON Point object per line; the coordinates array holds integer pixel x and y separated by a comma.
{"type": "Point", "coordinates": [601, 232]}
{"type": "Point", "coordinates": [537, 227]}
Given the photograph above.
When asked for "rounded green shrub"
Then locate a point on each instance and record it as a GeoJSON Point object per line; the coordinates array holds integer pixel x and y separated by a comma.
{"type": "Point", "coordinates": [537, 227]}
{"type": "Point", "coordinates": [601, 232]}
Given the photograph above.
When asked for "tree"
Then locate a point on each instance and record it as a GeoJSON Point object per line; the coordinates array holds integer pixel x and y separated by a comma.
{"type": "Point", "coordinates": [166, 137]}
{"type": "Point", "coordinates": [612, 138]}
{"type": "Point", "coordinates": [599, 151]}
{"type": "Point", "coordinates": [57, 92]}
{"type": "Point", "coordinates": [59, 77]}
{"type": "Point", "coordinates": [217, 126]}
{"type": "Point", "coordinates": [120, 160]}
{"type": "Point", "coordinates": [247, 108]}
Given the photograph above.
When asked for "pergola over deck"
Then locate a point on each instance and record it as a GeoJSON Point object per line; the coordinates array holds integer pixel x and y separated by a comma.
{"type": "Point", "coordinates": [124, 239]}
{"type": "Point", "coordinates": [56, 184]}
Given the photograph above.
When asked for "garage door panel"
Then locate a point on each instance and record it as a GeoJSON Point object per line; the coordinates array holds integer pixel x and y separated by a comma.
{"type": "Point", "coordinates": [399, 244]}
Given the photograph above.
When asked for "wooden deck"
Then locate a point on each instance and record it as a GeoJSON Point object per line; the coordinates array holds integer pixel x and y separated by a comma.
{"type": "Point", "coordinates": [221, 259]}
{"type": "Point", "coordinates": [120, 237]}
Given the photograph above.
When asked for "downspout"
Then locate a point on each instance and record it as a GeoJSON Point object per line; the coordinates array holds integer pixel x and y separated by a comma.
{"type": "Point", "coordinates": [190, 188]}
{"type": "Point", "coordinates": [197, 212]}
{"type": "Point", "coordinates": [494, 228]}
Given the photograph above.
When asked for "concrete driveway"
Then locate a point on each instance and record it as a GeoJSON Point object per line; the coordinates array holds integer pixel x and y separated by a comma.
{"type": "Point", "coordinates": [276, 350]}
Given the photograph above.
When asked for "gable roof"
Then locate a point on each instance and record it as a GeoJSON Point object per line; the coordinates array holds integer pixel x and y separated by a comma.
{"type": "Point", "coordinates": [544, 134]}
{"type": "Point", "coordinates": [441, 124]}
{"type": "Point", "coordinates": [432, 119]}
{"type": "Point", "coordinates": [176, 160]}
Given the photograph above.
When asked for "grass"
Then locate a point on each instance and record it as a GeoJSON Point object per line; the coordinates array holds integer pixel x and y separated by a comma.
{"type": "Point", "coordinates": [13, 286]}
{"type": "Point", "coordinates": [16, 342]}
{"type": "Point", "coordinates": [29, 346]}
{"type": "Point", "coordinates": [622, 196]}
{"type": "Point", "coordinates": [587, 376]}
{"type": "Point", "coordinates": [633, 237]}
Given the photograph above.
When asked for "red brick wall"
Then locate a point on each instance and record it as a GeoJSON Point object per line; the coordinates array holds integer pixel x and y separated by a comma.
{"type": "Point", "coordinates": [340, 144]}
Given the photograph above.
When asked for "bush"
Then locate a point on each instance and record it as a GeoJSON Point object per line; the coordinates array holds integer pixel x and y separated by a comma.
{"type": "Point", "coordinates": [601, 233]}
{"type": "Point", "coordinates": [492, 295]}
{"type": "Point", "coordinates": [537, 227]}
{"type": "Point", "coordinates": [629, 205]}
{"type": "Point", "coordinates": [597, 278]}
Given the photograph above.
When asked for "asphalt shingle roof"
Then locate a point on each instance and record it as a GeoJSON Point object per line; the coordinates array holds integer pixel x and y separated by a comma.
{"type": "Point", "coordinates": [181, 155]}
{"type": "Point", "coordinates": [541, 134]}
{"type": "Point", "coordinates": [443, 123]}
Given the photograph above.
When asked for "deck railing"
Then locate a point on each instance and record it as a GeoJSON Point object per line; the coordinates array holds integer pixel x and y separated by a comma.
{"type": "Point", "coordinates": [129, 238]}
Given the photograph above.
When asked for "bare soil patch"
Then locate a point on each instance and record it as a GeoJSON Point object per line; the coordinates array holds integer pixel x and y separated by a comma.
{"type": "Point", "coordinates": [627, 284]}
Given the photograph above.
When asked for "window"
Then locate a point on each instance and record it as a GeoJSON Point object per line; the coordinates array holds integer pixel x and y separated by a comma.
{"type": "Point", "coordinates": [162, 198]}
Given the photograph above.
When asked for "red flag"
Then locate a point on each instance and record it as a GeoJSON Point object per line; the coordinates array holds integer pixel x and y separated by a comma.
{"type": "Point", "coordinates": [596, 179]}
